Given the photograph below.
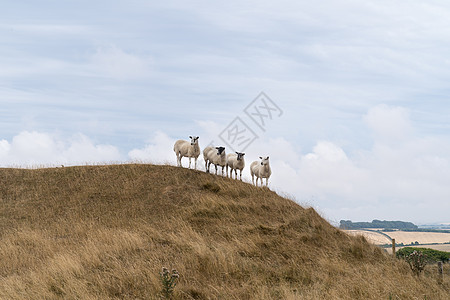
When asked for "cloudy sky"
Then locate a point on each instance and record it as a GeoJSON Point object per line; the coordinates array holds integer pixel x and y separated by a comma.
{"type": "Point", "coordinates": [362, 91]}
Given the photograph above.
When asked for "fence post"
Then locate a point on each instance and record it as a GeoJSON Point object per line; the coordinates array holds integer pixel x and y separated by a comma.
{"type": "Point", "coordinates": [440, 272]}
{"type": "Point", "coordinates": [393, 247]}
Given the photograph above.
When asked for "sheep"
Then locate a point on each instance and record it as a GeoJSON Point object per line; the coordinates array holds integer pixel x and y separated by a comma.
{"type": "Point", "coordinates": [261, 170]}
{"type": "Point", "coordinates": [185, 149]}
{"type": "Point", "coordinates": [214, 156]}
{"type": "Point", "coordinates": [235, 161]}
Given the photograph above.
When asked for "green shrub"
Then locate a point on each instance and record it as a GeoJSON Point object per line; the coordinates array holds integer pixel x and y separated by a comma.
{"type": "Point", "coordinates": [431, 254]}
{"type": "Point", "coordinates": [169, 281]}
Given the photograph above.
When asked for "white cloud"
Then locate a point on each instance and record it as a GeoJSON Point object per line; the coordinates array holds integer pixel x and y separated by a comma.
{"type": "Point", "coordinates": [4, 148]}
{"type": "Point", "coordinates": [326, 151]}
{"type": "Point", "coordinates": [82, 150]}
{"type": "Point", "coordinates": [389, 124]}
{"type": "Point", "coordinates": [158, 150]}
{"type": "Point", "coordinates": [32, 148]}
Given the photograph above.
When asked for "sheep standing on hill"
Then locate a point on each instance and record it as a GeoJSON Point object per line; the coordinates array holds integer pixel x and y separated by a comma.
{"type": "Point", "coordinates": [214, 156]}
{"type": "Point", "coordinates": [187, 149]}
{"type": "Point", "coordinates": [235, 161]}
{"type": "Point", "coordinates": [261, 170]}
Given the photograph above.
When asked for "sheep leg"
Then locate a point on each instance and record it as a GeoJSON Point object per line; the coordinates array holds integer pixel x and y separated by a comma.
{"type": "Point", "coordinates": [189, 162]}
{"type": "Point", "coordinates": [216, 168]}
{"type": "Point", "coordinates": [195, 163]}
{"type": "Point", "coordinates": [240, 175]}
{"type": "Point", "coordinates": [227, 170]}
{"type": "Point", "coordinates": [253, 181]}
{"type": "Point", "coordinates": [222, 171]}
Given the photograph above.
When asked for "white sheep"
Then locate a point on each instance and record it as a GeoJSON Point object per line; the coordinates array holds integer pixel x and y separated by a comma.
{"type": "Point", "coordinates": [187, 149]}
{"type": "Point", "coordinates": [235, 161]}
{"type": "Point", "coordinates": [261, 170]}
{"type": "Point", "coordinates": [214, 156]}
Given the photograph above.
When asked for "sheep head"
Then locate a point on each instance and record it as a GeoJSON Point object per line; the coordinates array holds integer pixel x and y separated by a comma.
{"type": "Point", "coordinates": [220, 150]}
{"type": "Point", "coordinates": [240, 155]}
{"type": "Point", "coordinates": [264, 160]}
{"type": "Point", "coordinates": [194, 140]}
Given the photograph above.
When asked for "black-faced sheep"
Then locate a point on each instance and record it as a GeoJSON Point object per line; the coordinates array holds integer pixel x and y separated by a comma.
{"type": "Point", "coordinates": [215, 156]}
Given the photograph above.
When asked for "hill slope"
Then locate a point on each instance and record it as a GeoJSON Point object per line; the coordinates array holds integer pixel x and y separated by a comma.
{"type": "Point", "coordinates": [104, 232]}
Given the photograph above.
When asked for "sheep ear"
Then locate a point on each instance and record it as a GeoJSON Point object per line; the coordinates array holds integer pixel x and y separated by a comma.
{"type": "Point", "coordinates": [190, 137]}
{"type": "Point", "coordinates": [243, 154]}
{"type": "Point", "coordinates": [236, 152]}
{"type": "Point", "coordinates": [260, 157]}
{"type": "Point", "coordinates": [267, 157]}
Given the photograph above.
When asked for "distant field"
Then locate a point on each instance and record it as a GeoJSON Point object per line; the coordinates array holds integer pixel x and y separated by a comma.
{"type": "Point", "coordinates": [373, 237]}
{"type": "Point", "coordinates": [405, 237]}
{"type": "Point", "coordinates": [445, 247]}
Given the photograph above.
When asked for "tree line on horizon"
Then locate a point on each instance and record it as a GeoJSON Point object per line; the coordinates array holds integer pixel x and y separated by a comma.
{"type": "Point", "coordinates": [401, 225]}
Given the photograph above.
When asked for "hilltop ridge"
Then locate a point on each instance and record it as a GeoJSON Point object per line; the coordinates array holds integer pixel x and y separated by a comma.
{"type": "Point", "coordinates": [104, 232]}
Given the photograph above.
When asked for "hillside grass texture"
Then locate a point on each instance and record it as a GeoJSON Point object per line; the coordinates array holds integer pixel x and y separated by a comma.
{"type": "Point", "coordinates": [105, 232]}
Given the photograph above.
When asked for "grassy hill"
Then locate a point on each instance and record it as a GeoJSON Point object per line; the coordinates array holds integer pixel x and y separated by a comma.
{"type": "Point", "coordinates": [105, 232]}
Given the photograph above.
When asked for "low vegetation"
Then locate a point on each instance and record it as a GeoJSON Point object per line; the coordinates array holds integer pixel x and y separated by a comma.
{"type": "Point", "coordinates": [432, 255]}
{"type": "Point", "coordinates": [417, 261]}
{"type": "Point", "coordinates": [169, 282]}
{"type": "Point", "coordinates": [105, 232]}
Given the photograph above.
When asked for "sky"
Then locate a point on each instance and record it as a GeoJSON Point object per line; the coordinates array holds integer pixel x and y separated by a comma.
{"type": "Point", "coordinates": [349, 99]}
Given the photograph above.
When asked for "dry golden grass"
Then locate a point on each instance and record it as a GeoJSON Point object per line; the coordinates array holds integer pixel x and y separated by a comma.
{"type": "Point", "coordinates": [104, 232]}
